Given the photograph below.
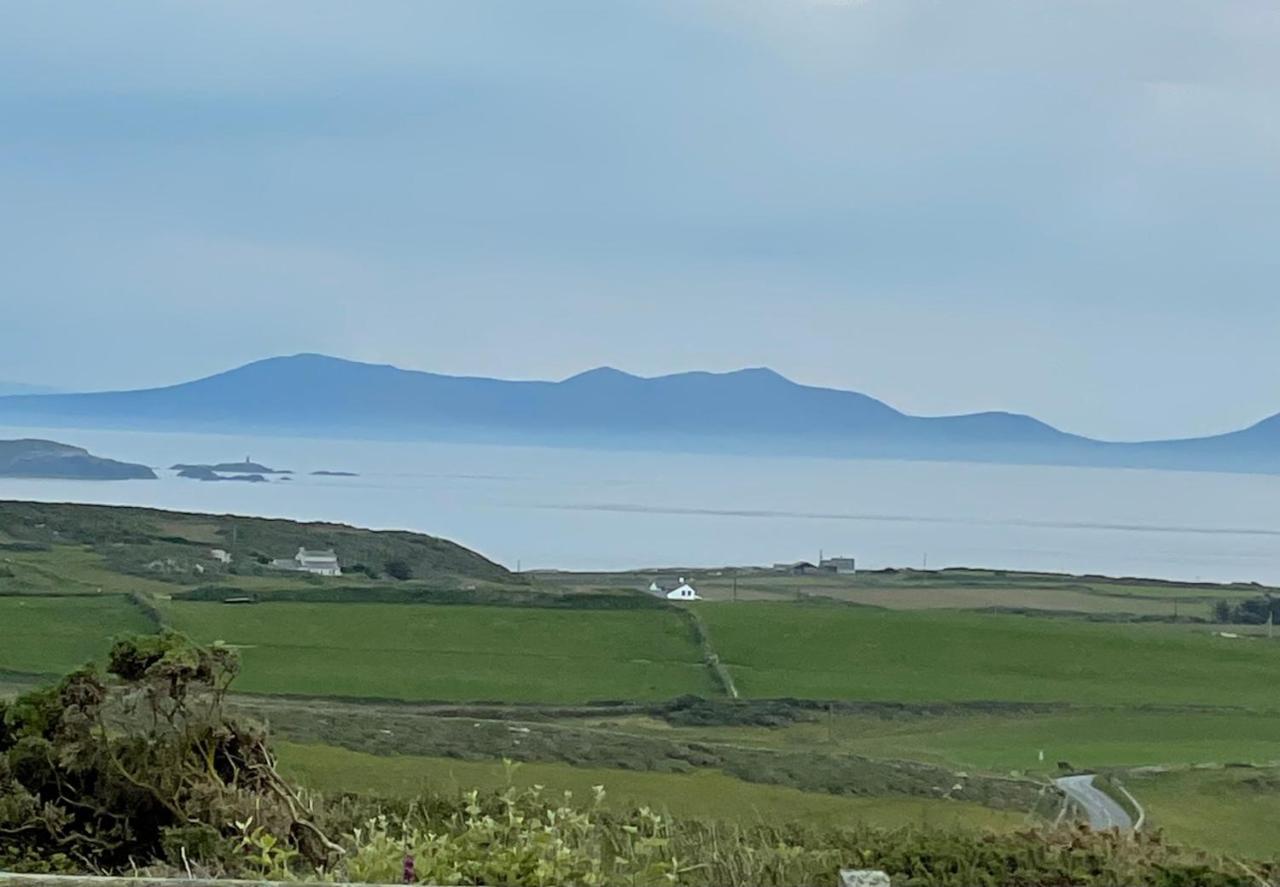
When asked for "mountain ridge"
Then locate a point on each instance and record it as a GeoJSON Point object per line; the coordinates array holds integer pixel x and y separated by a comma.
{"type": "Point", "coordinates": [751, 410]}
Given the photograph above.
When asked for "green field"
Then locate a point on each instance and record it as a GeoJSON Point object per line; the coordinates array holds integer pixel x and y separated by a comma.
{"type": "Point", "coordinates": [1232, 810]}
{"type": "Point", "coordinates": [403, 651]}
{"type": "Point", "coordinates": [40, 635]}
{"type": "Point", "coordinates": [986, 741]}
{"type": "Point", "coordinates": [954, 589]}
{"type": "Point", "coordinates": [929, 670]}
{"type": "Point", "coordinates": [703, 794]}
{"type": "Point", "coordinates": [836, 652]}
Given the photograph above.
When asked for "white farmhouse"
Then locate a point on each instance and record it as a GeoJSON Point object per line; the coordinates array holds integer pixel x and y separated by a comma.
{"type": "Point", "coordinates": [682, 592]}
{"type": "Point", "coordinates": [319, 562]}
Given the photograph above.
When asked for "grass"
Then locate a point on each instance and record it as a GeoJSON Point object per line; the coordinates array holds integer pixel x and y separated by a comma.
{"type": "Point", "coordinates": [69, 569]}
{"type": "Point", "coordinates": [418, 652]}
{"type": "Point", "coordinates": [41, 635]}
{"type": "Point", "coordinates": [1233, 810]}
{"type": "Point", "coordinates": [131, 538]}
{"type": "Point", "coordinates": [835, 652]}
{"type": "Point", "coordinates": [1087, 738]}
{"type": "Point", "coordinates": [703, 793]}
{"type": "Point", "coordinates": [955, 589]}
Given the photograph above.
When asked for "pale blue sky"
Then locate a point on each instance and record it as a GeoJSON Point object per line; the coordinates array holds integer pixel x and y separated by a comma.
{"type": "Point", "coordinates": [1063, 208]}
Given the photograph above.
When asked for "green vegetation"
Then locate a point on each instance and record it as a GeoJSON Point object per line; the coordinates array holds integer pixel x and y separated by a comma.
{"type": "Point", "coordinates": [41, 635]}
{"type": "Point", "coordinates": [176, 546]}
{"type": "Point", "coordinates": [703, 794]}
{"type": "Point", "coordinates": [838, 652]}
{"type": "Point", "coordinates": [400, 651]}
{"type": "Point", "coordinates": [889, 697]}
{"type": "Point", "coordinates": [993, 740]}
{"type": "Point", "coordinates": [1086, 597]}
{"type": "Point", "coordinates": [145, 769]}
{"type": "Point", "coordinates": [400, 730]}
{"type": "Point", "coordinates": [1234, 810]}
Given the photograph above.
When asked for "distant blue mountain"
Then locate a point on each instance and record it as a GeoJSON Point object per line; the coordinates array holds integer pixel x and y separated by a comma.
{"type": "Point", "coordinates": [7, 388]}
{"type": "Point", "coordinates": [748, 411]}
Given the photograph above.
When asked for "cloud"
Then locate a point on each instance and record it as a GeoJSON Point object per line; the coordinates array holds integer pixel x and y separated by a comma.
{"type": "Point", "coordinates": [527, 189]}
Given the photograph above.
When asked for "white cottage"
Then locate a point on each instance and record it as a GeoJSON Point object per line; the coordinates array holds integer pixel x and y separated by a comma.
{"type": "Point", "coordinates": [682, 592]}
{"type": "Point", "coordinates": [317, 562]}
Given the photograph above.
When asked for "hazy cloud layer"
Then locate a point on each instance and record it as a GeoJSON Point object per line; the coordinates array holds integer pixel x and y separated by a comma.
{"type": "Point", "coordinates": [1066, 208]}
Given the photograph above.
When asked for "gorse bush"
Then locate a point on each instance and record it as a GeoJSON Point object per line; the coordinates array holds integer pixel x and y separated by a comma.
{"type": "Point", "coordinates": [99, 777]}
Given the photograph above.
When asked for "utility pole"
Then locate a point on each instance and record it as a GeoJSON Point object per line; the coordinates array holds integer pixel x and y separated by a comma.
{"type": "Point", "coordinates": [735, 588]}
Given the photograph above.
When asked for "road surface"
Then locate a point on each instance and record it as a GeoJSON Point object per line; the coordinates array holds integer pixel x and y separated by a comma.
{"type": "Point", "coordinates": [1102, 811]}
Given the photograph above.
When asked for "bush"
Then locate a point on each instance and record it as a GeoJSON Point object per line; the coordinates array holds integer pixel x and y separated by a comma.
{"type": "Point", "coordinates": [106, 775]}
{"type": "Point", "coordinates": [398, 569]}
{"type": "Point", "coordinates": [524, 838]}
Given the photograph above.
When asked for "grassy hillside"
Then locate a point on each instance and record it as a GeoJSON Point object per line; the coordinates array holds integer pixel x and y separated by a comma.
{"type": "Point", "coordinates": [176, 546]}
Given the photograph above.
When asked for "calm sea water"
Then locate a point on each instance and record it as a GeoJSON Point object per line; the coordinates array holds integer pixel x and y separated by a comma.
{"type": "Point", "coordinates": [575, 509]}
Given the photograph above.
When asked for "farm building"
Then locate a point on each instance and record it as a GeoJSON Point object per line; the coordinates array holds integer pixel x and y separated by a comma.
{"type": "Point", "coordinates": [799, 568]}
{"type": "Point", "coordinates": [315, 561]}
{"type": "Point", "coordinates": [682, 591]}
{"type": "Point", "coordinates": [839, 565]}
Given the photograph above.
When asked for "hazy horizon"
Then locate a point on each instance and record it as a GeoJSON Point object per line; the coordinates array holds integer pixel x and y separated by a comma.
{"type": "Point", "coordinates": [1062, 209]}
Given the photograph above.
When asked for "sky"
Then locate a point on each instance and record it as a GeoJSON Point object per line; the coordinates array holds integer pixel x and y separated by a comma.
{"type": "Point", "coordinates": [1068, 209]}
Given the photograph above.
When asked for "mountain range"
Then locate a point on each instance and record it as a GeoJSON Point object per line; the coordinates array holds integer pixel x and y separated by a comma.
{"type": "Point", "coordinates": [751, 411]}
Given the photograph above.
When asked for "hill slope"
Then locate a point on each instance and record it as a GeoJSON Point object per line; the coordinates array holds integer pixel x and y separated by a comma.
{"type": "Point", "coordinates": [748, 411]}
{"type": "Point", "coordinates": [171, 544]}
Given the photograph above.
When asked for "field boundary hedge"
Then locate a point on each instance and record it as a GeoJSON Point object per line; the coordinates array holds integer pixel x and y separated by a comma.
{"type": "Point", "coordinates": [485, 597]}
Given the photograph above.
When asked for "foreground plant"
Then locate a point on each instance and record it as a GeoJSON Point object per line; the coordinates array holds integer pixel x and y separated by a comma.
{"type": "Point", "coordinates": [103, 774]}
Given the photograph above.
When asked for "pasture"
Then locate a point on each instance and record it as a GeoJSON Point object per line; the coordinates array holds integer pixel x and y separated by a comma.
{"type": "Point", "coordinates": [840, 652]}
{"type": "Point", "coordinates": [453, 653]}
{"type": "Point", "coordinates": [1234, 810]}
{"type": "Point", "coordinates": [954, 589]}
{"type": "Point", "coordinates": [704, 793]}
{"type": "Point", "coordinates": [53, 635]}
{"type": "Point", "coordinates": [1087, 737]}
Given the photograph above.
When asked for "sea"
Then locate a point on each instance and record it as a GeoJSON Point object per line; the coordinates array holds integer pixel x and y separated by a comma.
{"type": "Point", "coordinates": [547, 508]}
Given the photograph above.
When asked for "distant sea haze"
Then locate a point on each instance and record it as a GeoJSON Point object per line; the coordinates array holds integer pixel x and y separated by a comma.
{"type": "Point", "coordinates": [555, 507]}
{"type": "Point", "coordinates": [748, 412]}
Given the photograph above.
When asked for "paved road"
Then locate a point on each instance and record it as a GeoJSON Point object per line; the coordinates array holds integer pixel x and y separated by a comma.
{"type": "Point", "coordinates": [1103, 812]}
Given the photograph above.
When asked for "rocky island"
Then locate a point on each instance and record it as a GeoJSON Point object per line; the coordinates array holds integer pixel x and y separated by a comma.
{"type": "Point", "coordinates": [49, 459]}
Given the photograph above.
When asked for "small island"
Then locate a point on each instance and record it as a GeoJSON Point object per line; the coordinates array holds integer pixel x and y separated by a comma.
{"type": "Point", "coordinates": [245, 467]}
{"type": "Point", "coordinates": [323, 473]}
{"type": "Point", "coordinates": [49, 459]}
{"type": "Point", "coordinates": [204, 472]}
